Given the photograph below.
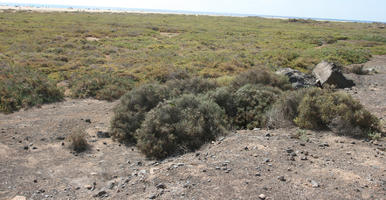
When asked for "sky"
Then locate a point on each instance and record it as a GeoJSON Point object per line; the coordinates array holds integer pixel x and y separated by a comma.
{"type": "Point", "coordinates": [368, 10]}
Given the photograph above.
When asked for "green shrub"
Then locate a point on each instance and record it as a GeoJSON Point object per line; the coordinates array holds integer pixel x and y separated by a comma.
{"type": "Point", "coordinates": [23, 87]}
{"type": "Point", "coordinates": [133, 106]}
{"type": "Point", "coordinates": [253, 101]}
{"type": "Point", "coordinates": [195, 85]}
{"type": "Point", "coordinates": [320, 109]}
{"type": "Point", "coordinates": [285, 110]}
{"type": "Point", "coordinates": [225, 99]}
{"type": "Point", "coordinates": [102, 86]}
{"type": "Point", "coordinates": [261, 76]}
{"type": "Point", "coordinates": [179, 125]}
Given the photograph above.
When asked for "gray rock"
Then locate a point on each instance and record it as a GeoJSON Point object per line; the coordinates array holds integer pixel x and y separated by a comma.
{"type": "Point", "coordinates": [329, 73]}
{"type": "Point", "coordinates": [314, 184]}
{"type": "Point", "coordinates": [297, 78]}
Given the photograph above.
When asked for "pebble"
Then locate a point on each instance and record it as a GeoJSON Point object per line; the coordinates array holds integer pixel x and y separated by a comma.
{"type": "Point", "coordinates": [281, 178]}
{"type": "Point", "coordinates": [262, 196]}
{"type": "Point", "coordinates": [161, 186]}
{"type": "Point", "coordinates": [314, 184]}
{"type": "Point", "coordinates": [101, 193]}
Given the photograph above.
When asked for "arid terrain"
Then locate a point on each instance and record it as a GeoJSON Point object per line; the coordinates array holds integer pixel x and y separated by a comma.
{"type": "Point", "coordinates": [36, 163]}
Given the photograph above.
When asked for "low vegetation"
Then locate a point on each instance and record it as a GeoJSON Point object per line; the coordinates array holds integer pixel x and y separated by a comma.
{"type": "Point", "coordinates": [102, 86]}
{"type": "Point", "coordinates": [22, 87]}
{"type": "Point", "coordinates": [148, 47]}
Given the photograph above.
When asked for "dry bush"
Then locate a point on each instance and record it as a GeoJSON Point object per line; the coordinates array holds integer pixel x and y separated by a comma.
{"type": "Point", "coordinates": [253, 101]}
{"type": "Point", "coordinates": [321, 108]}
{"type": "Point", "coordinates": [261, 76]}
{"type": "Point", "coordinates": [195, 85]}
{"type": "Point", "coordinates": [180, 125]}
{"type": "Point", "coordinates": [285, 110]}
{"type": "Point", "coordinates": [78, 142]}
{"type": "Point", "coordinates": [131, 111]}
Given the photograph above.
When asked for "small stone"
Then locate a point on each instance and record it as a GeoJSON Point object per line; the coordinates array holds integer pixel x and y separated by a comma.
{"type": "Point", "coordinates": [89, 187]}
{"type": "Point", "coordinates": [352, 142]}
{"type": "Point", "coordinates": [302, 144]}
{"type": "Point", "coordinates": [153, 196]}
{"type": "Point", "coordinates": [60, 138]}
{"type": "Point", "coordinates": [161, 186]}
{"type": "Point", "coordinates": [19, 198]}
{"type": "Point", "coordinates": [304, 158]}
{"type": "Point", "coordinates": [88, 120]}
{"type": "Point", "coordinates": [267, 135]}
{"type": "Point", "coordinates": [26, 147]}
{"type": "Point", "coordinates": [266, 160]}
{"type": "Point", "coordinates": [101, 193]}
{"type": "Point", "coordinates": [110, 185]}
{"type": "Point", "coordinates": [314, 184]}
{"type": "Point", "coordinates": [348, 153]}
{"type": "Point", "coordinates": [257, 174]}
{"type": "Point", "coordinates": [262, 196]}
{"type": "Point", "coordinates": [289, 150]}
{"type": "Point", "coordinates": [281, 178]}
{"type": "Point", "coordinates": [102, 134]}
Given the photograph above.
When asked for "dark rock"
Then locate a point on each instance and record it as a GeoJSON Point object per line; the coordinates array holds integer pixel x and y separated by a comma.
{"type": "Point", "coordinates": [60, 138]}
{"type": "Point", "coordinates": [329, 73]}
{"type": "Point", "coordinates": [281, 178]}
{"type": "Point", "coordinates": [161, 186]}
{"type": "Point", "coordinates": [88, 120]}
{"type": "Point", "coordinates": [26, 147]}
{"type": "Point", "coordinates": [102, 134]}
{"type": "Point", "coordinates": [101, 193]}
{"type": "Point", "coordinates": [289, 150]}
{"type": "Point", "coordinates": [297, 78]}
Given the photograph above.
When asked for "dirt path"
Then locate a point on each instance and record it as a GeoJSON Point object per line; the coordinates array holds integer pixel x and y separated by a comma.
{"type": "Point", "coordinates": [244, 165]}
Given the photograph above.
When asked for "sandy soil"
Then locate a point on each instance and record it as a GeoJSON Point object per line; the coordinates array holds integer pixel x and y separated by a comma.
{"type": "Point", "coordinates": [35, 161]}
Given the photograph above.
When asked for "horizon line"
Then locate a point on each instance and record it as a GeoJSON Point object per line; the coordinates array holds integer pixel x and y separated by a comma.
{"type": "Point", "coordinates": [187, 12]}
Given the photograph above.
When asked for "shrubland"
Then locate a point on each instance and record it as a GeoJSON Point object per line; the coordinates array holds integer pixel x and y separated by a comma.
{"type": "Point", "coordinates": [22, 87]}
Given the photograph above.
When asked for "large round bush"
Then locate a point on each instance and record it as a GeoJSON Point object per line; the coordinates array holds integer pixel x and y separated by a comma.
{"type": "Point", "coordinates": [179, 125]}
{"type": "Point", "coordinates": [131, 111]}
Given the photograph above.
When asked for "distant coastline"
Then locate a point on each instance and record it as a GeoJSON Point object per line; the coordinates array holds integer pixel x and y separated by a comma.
{"type": "Point", "coordinates": [70, 8]}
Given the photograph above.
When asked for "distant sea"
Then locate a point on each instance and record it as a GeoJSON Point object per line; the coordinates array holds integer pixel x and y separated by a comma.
{"type": "Point", "coordinates": [173, 12]}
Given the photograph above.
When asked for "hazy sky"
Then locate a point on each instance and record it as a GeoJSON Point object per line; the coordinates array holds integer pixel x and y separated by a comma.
{"type": "Point", "coordinates": [374, 10]}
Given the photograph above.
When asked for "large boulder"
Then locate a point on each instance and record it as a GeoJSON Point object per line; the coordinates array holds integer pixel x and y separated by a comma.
{"type": "Point", "coordinates": [329, 73]}
{"type": "Point", "coordinates": [297, 78]}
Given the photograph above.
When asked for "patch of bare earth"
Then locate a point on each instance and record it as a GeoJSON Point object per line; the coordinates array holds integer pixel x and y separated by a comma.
{"type": "Point", "coordinates": [35, 161]}
{"type": "Point", "coordinates": [168, 34]}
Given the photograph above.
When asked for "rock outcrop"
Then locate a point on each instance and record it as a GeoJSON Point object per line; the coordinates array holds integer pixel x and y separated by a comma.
{"type": "Point", "coordinates": [329, 73]}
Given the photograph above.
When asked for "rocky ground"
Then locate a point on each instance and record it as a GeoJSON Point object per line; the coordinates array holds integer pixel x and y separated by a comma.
{"type": "Point", "coordinates": [36, 163]}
